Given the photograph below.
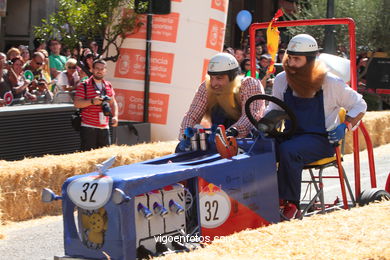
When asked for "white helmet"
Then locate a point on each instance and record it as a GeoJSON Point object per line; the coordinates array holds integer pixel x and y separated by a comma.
{"type": "Point", "coordinates": [302, 45]}
{"type": "Point", "coordinates": [223, 63]}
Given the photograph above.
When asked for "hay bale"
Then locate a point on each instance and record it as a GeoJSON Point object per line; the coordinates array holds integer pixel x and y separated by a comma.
{"type": "Point", "coordinates": [22, 181]}
{"type": "Point", "coordinates": [360, 233]}
{"type": "Point", "coordinates": [378, 127]}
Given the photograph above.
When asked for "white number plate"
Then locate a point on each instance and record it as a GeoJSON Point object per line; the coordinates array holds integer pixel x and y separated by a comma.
{"type": "Point", "coordinates": [90, 192]}
{"type": "Point", "coordinates": [214, 208]}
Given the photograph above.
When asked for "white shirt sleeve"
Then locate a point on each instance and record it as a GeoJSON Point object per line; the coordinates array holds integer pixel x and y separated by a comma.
{"type": "Point", "coordinates": [352, 101]}
{"type": "Point", "coordinates": [337, 94]}
{"type": "Point", "coordinates": [278, 90]}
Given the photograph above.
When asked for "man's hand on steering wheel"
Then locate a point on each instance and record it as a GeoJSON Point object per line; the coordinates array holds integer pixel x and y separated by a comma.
{"type": "Point", "coordinates": [265, 124]}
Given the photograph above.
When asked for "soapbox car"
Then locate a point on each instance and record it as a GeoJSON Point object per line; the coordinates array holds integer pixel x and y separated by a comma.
{"type": "Point", "coordinates": [180, 201]}
{"type": "Point", "coordinates": [171, 203]}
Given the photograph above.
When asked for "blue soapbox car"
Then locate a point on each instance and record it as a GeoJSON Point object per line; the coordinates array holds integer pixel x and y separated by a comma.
{"type": "Point", "coordinates": [169, 204]}
{"type": "Point", "coordinates": [177, 202]}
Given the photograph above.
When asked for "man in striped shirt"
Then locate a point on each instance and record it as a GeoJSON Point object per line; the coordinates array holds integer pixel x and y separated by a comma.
{"type": "Point", "coordinates": [94, 132]}
{"type": "Point", "coordinates": [221, 98]}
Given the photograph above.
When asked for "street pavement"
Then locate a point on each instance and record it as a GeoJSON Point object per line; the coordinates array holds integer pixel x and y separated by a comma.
{"type": "Point", "coordinates": [43, 238]}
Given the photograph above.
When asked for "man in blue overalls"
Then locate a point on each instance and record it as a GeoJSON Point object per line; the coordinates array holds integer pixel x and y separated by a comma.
{"type": "Point", "coordinates": [315, 96]}
{"type": "Point", "coordinates": [220, 99]}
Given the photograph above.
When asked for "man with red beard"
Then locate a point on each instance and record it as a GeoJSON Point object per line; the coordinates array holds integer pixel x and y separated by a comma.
{"type": "Point", "coordinates": [315, 96]}
{"type": "Point", "coordinates": [221, 99]}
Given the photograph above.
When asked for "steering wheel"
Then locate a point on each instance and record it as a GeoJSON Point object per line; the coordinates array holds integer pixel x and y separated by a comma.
{"type": "Point", "coordinates": [263, 123]}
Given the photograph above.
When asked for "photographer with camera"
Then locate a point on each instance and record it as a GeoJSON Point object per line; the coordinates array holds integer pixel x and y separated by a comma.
{"type": "Point", "coordinates": [42, 91]}
{"type": "Point", "coordinates": [96, 99]}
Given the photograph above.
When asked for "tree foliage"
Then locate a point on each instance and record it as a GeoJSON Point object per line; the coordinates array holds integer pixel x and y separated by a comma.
{"type": "Point", "coordinates": [372, 18]}
{"type": "Point", "coordinates": [87, 20]}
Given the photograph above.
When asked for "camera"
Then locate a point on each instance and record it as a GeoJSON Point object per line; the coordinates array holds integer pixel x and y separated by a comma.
{"type": "Point", "coordinates": [106, 106]}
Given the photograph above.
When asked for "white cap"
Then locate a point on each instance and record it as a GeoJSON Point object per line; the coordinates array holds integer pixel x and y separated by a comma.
{"type": "Point", "coordinates": [222, 63]}
{"type": "Point", "coordinates": [302, 45]}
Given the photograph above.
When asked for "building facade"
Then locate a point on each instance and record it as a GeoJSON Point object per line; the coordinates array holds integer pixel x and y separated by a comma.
{"type": "Point", "coordinates": [18, 18]}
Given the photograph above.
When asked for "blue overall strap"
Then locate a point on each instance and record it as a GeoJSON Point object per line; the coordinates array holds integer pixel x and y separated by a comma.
{"type": "Point", "coordinates": [309, 113]}
{"type": "Point", "coordinates": [219, 117]}
{"type": "Point", "coordinates": [306, 146]}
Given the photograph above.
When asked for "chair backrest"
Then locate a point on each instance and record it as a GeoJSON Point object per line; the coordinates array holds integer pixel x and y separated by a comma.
{"type": "Point", "coordinates": [324, 161]}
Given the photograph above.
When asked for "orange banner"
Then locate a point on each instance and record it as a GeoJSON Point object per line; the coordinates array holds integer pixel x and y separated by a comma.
{"type": "Point", "coordinates": [219, 5]}
{"type": "Point", "coordinates": [131, 106]}
{"type": "Point", "coordinates": [164, 28]}
{"type": "Point", "coordinates": [131, 65]}
{"type": "Point", "coordinates": [215, 35]}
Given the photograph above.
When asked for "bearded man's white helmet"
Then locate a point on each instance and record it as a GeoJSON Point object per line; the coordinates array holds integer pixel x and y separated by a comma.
{"type": "Point", "coordinates": [302, 45]}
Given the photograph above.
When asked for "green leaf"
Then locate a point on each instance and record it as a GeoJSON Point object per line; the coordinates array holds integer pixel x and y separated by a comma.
{"type": "Point", "coordinates": [87, 20]}
{"type": "Point", "coordinates": [372, 20]}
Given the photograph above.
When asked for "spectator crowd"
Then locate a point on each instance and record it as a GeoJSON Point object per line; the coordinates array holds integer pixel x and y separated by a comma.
{"type": "Point", "coordinates": [263, 60]}
{"type": "Point", "coordinates": [48, 74]}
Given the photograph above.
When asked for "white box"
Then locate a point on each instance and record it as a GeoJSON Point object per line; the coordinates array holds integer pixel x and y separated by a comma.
{"type": "Point", "coordinates": [157, 221]}
{"type": "Point", "coordinates": [141, 223]}
{"type": "Point", "coordinates": [174, 221]}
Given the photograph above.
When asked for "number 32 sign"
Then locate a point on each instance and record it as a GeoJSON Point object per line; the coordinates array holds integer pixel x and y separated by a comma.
{"type": "Point", "coordinates": [91, 192]}
{"type": "Point", "coordinates": [214, 208]}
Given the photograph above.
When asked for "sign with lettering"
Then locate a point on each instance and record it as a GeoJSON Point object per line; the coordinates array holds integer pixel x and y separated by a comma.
{"type": "Point", "coordinates": [131, 106]}
{"type": "Point", "coordinates": [131, 65]}
{"type": "Point", "coordinates": [182, 43]}
{"type": "Point", "coordinates": [164, 28]}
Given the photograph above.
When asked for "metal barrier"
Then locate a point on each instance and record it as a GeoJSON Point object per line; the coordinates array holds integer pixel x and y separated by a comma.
{"type": "Point", "coordinates": [39, 129]}
{"type": "Point", "coordinates": [36, 130]}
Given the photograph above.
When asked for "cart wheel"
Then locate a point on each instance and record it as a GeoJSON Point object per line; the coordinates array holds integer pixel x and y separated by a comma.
{"type": "Point", "coordinates": [370, 195]}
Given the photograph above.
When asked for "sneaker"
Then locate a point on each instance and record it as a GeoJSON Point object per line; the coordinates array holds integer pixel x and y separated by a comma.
{"type": "Point", "coordinates": [290, 211]}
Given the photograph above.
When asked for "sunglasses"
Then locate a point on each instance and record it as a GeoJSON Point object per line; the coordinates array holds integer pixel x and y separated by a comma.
{"type": "Point", "coordinates": [72, 67]}
{"type": "Point", "coordinates": [39, 63]}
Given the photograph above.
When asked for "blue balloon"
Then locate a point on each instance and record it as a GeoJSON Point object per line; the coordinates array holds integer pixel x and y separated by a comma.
{"type": "Point", "coordinates": [244, 19]}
